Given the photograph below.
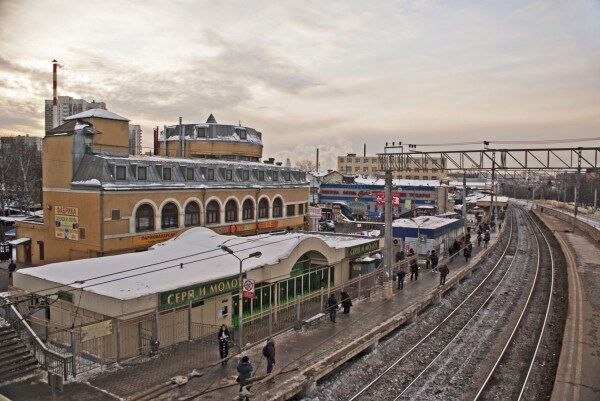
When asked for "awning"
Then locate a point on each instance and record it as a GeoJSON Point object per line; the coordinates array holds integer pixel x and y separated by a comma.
{"type": "Point", "coordinates": [20, 241]}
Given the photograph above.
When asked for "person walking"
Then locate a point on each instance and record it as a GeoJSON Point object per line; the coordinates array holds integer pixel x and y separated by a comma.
{"type": "Point", "coordinates": [269, 353]}
{"type": "Point", "coordinates": [434, 260]}
{"type": "Point", "coordinates": [467, 252]}
{"type": "Point", "coordinates": [244, 369]}
{"type": "Point", "coordinates": [486, 239]}
{"type": "Point", "coordinates": [479, 240]}
{"type": "Point", "coordinates": [332, 305]}
{"type": "Point", "coordinates": [428, 259]}
{"type": "Point", "coordinates": [455, 249]}
{"type": "Point", "coordinates": [401, 274]}
{"type": "Point", "coordinates": [414, 270]}
{"type": "Point", "coordinates": [346, 302]}
{"type": "Point", "coordinates": [223, 337]}
{"type": "Point", "coordinates": [443, 273]}
{"type": "Point", "coordinates": [399, 256]}
{"type": "Point", "coordinates": [11, 268]}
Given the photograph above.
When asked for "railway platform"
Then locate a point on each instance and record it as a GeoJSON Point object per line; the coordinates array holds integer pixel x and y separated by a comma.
{"type": "Point", "coordinates": [579, 364]}
{"type": "Point", "coordinates": [323, 341]}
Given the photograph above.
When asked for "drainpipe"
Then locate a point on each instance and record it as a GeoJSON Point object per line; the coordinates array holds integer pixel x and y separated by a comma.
{"type": "Point", "coordinates": [181, 139]}
{"type": "Point", "coordinates": [101, 221]}
{"type": "Point", "coordinates": [203, 217]}
{"type": "Point", "coordinates": [256, 209]}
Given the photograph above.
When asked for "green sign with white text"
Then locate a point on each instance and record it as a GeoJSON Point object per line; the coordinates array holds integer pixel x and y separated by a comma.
{"type": "Point", "coordinates": [183, 296]}
{"type": "Point", "coordinates": [358, 250]}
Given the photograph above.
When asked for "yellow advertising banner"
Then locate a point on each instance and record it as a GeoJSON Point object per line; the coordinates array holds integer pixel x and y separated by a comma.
{"type": "Point", "coordinates": [151, 239]}
{"type": "Point", "coordinates": [96, 330]}
{"type": "Point", "coordinates": [66, 222]}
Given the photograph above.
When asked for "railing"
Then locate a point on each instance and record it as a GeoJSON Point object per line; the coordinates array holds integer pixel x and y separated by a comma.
{"type": "Point", "coordinates": [49, 360]}
{"type": "Point", "coordinates": [208, 332]}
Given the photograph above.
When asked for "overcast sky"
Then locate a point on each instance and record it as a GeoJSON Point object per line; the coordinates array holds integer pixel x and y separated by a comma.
{"type": "Point", "coordinates": [324, 73]}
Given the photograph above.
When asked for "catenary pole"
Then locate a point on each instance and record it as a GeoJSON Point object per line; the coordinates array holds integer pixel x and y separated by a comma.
{"type": "Point", "coordinates": [388, 222]}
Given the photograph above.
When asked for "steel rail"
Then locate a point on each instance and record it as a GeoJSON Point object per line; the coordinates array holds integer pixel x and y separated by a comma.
{"type": "Point", "coordinates": [475, 314]}
{"type": "Point", "coordinates": [484, 386]}
{"type": "Point", "coordinates": [436, 328]}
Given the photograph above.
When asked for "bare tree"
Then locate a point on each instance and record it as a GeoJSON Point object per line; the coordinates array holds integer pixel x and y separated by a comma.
{"type": "Point", "coordinates": [306, 165]}
{"type": "Point", "coordinates": [20, 174]}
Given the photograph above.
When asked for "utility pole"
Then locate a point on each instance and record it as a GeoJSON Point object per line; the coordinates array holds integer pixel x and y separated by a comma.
{"type": "Point", "coordinates": [577, 182]}
{"type": "Point", "coordinates": [388, 222]}
{"type": "Point", "coordinates": [464, 200]}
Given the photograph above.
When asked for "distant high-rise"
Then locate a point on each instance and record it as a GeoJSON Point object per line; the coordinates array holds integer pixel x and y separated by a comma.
{"type": "Point", "coordinates": [135, 140]}
{"type": "Point", "coordinates": [67, 106]}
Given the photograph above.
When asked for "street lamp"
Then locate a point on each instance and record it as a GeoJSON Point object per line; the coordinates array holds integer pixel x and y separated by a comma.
{"type": "Point", "coordinates": [256, 254]}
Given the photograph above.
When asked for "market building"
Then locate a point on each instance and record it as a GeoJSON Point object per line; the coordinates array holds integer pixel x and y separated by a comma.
{"type": "Point", "coordinates": [188, 283]}
{"type": "Point", "coordinates": [427, 233]}
{"type": "Point", "coordinates": [99, 200]}
{"type": "Point", "coordinates": [365, 196]}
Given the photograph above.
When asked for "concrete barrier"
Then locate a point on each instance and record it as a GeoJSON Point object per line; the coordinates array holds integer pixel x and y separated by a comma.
{"type": "Point", "coordinates": [590, 230]}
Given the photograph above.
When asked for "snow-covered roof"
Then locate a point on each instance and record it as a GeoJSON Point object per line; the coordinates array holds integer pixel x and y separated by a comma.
{"type": "Point", "coordinates": [488, 198]}
{"type": "Point", "coordinates": [423, 222]}
{"type": "Point", "coordinates": [159, 267]}
{"type": "Point", "coordinates": [406, 183]}
{"type": "Point", "coordinates": [97, 113]}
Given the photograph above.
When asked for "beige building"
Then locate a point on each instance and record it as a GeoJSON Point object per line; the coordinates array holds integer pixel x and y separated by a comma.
{"type": "Point", "coordinates": [98, 200]}
{"type": "Point", "coordinates": [367, 165]}
{"type": "Point", "coordinates": [178, 287]}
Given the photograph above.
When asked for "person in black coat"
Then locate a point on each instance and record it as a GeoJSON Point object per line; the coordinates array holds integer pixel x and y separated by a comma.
{"type": "Point", "coordinates": [401, 274]}
{"type": "Point", "coordinates": [434, 260]}
{"type": "Point", "coordinates": [11, 268]}
{"type": "Point", "coordinates": [346, 302]}
{"type": "Point", "coordinates": [414, 270]}
{"type": "Point", "coordinates": [332, 305]}
{"type": "Point", "coordinates": [244, 369]}
{"type": "Point", "coordinates": [467, 252]}
{"type": "Point", "coordinates": [223, 337]}
{"type": "Point", "coordinates": [269, 353]}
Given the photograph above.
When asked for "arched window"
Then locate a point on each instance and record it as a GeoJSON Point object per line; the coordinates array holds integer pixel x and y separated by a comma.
{"type": "Point", "coordinates": [170, 216]}
{"type": "Point", "coordinates": [231, 211]}
{"type": "Point", "coordinates": [213, 212]}
{"type": "Point", "coordinates": [263, 209]}
{"type": "Point", "coordinates": [192, 214]}
{"type": "Point", "coordinates": [277, 207]}
{"type": "Point", "coordinates": [248, 210]}
{"type": "Point", "coordinates": [144, 218]}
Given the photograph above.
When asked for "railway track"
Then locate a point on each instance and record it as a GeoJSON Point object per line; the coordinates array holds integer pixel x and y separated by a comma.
{"type": "Point", "coordinates": [448, 359]}
{"type": "Point", "coordinates": [509, 376]}
{"type": "Point", "coordinates": [411, 365]}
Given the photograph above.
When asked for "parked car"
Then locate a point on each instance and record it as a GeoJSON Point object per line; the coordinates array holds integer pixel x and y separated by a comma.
{"type": "Point", "coordinates": [327, 225]}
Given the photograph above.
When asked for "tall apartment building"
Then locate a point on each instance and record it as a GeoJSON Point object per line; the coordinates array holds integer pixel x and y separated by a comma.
{"type": "Point", "coordinates": [6, 142]}
{"type": "Point", "coordinates": [67, 106]}
{"type": "Point", "coordinates": [135, 139]}
{"type": "Point", "coordinates": [367, 165]}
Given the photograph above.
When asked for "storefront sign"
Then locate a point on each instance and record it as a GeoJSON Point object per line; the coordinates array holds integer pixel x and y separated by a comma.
{"type": "Point", "coordinates": [236, 228]}
{"type": "Point", "coordinates": [267, 224]}
{"type": "Point", "coordinates": [248, 288]}
{"type": "Point", "coordinates": [407, 204]}
{"type": "Point", "coordinates": [380, 198]}
{"type": "Point", "coordinates": [66, 222]}
{"type": "Point", "coordinates": [96, 330]}
{"type": "Point", "coordinates": [183, 296]}
{"type": "Point", "coordinates": [151, 239]}
{"type": "Point", "coordinates": [358, 250]}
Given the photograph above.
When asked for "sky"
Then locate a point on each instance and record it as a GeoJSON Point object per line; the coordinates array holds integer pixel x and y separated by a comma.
{"type": "Point", "coordinates": [308, 74]}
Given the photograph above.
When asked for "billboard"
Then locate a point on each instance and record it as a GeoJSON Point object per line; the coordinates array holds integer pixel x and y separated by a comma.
{"type": "Point", "coordinates": [66, 222]}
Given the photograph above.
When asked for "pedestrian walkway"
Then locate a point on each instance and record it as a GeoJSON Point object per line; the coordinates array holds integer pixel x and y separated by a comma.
{"type": "Point", "coordinates": [144, 373]}
{"type": "Point", "coordinates": [328, 337]}
{"type": "Point", "coordinates": [579, 364]}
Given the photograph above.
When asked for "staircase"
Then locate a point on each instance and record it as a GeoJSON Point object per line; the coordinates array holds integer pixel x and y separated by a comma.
{"type": "Point", "coordinates": [15, 359]}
